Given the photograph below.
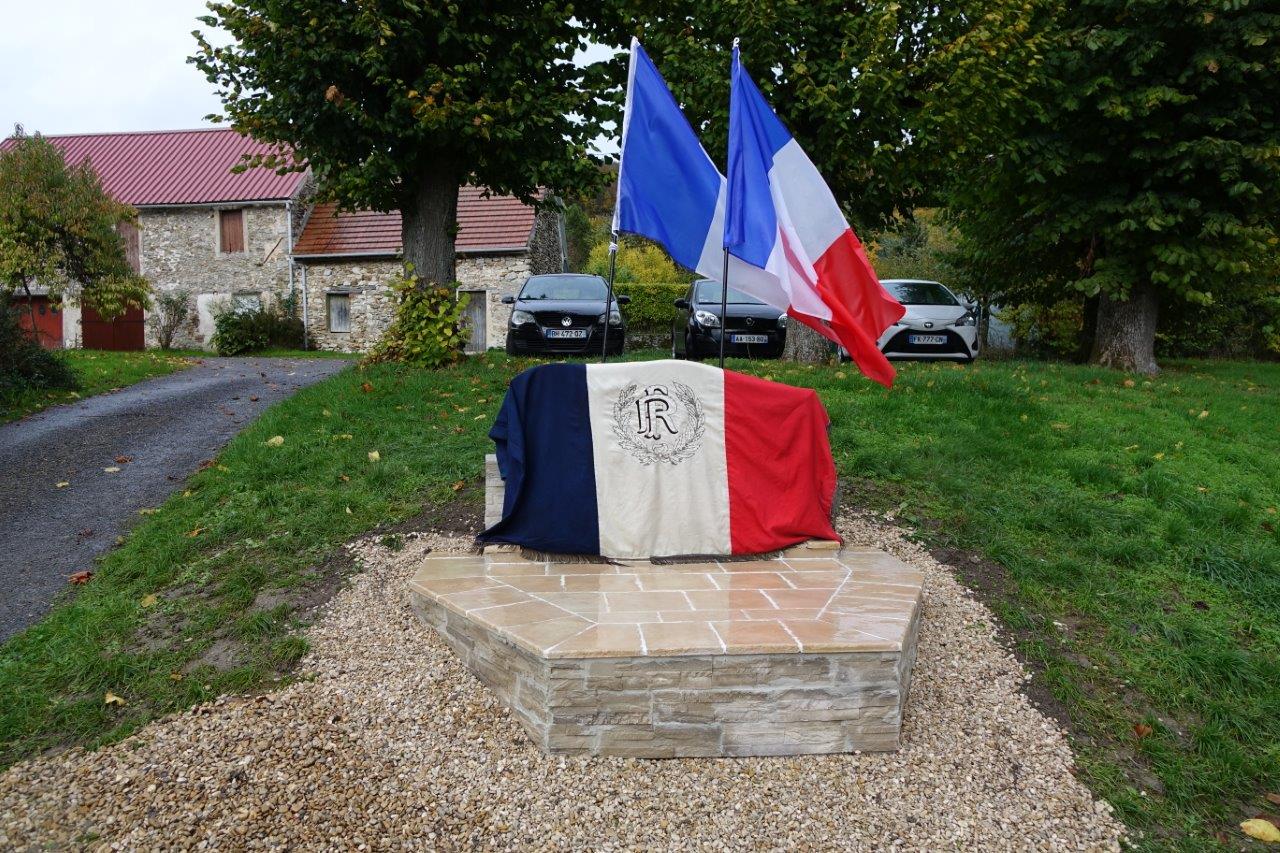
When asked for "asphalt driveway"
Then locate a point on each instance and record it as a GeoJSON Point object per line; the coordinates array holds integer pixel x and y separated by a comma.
{"type": "Point", "coordinates": [165, 427]}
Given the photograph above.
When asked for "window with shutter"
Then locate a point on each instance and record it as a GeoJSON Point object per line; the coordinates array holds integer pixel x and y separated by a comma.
{"type": "Point", "coordinates": [129, 235]}
{"type": "Point", "coordinates": [339, 312]}
{"type": "Point", "coordinates": [230, 231]}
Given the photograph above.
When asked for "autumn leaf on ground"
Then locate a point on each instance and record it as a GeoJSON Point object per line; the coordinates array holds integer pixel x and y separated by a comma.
{"type": "Point", "coordinates": [196, 532]}
{"type": "Point", "coordinates": [1263, 830]}
{"type": "Point", "coordinates": [175, 676]}
{"type": "Point", "coordinates": [457, 487]}
{"type": "Point", "coordinates": [149, 600]}
{"type": "Point", "coordinates": [111, 470]}
{"type": "Point", "coordinates": [61, 485]}
{"type": "Point", "coordinates": [112, 699]}
{"type": "Point", "coordinates": [374, 456]}
{"type": "Point", "coordinates": [366, 387]}
{"type": "Point", "coordinates": [1274, 798]}
{"type": "Point", "coordinates": [1129, 383]}
{"type": "Point", "coordinates": [1142, 730]}
{"type": "Point", "coordinates": [80, 578]}
{"type": "Point", "coordinates": [1203, 414]}
{"type": "Point", "coordinates": [123, 460]}
{"type": "Point", "coordinates": [253, 398]}
{"type": "Point", "coordinates": [344, 478]}
{"type": "Point", "coordinates": [349, 512]}
{"type": "Point", "coordinates": [148, 510]}
{"type": "Point", "coordinates": [275, 441]}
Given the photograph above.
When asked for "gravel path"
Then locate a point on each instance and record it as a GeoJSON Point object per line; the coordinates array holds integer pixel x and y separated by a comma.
{"type": "Point", "coordinates": [153, 433]}
{"type": "Point", "coordinates": [393, 745]}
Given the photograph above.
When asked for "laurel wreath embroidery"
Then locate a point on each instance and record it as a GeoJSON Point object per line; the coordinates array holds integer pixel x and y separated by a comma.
{"type": "Point", "coordinates": [647, 454]}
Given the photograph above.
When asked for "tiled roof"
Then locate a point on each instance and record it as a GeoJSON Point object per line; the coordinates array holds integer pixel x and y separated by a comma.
{"type": "Point", "coordinates": [176, 166]}
{"type": "Point", "coordinates": [493, 224]}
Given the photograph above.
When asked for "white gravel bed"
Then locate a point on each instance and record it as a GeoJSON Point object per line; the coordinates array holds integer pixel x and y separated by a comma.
{"type": "Point", "coordinates": [391, 744]}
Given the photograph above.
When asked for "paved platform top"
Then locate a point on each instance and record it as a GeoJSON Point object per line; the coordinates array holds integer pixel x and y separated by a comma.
{"type": "Point", "coordinates": [849, 600]}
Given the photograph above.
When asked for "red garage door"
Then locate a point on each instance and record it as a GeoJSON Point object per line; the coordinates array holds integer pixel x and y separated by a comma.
{"type": "Point", "coordinates": [122, 333]}
{"type": "Point", "coordinates": [48, 320]}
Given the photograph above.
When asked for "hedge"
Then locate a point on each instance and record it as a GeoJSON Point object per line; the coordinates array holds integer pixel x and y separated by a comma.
{"type": "Point", "coordinates": [650, 314]}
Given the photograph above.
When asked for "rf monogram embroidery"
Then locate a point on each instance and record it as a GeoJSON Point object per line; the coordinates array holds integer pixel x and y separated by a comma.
{"type": "Point", "coordinates": [659, 423]}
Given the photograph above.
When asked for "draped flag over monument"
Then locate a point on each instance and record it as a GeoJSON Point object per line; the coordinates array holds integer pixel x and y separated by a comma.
{"type": "Point", "coordinates": [782, 219]}
{"type": "Point", "coordinates": [660, 458]}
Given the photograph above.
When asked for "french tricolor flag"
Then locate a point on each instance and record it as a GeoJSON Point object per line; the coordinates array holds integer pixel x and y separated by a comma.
{"type": "Point", "coordinates": [660, 459]}
{"type": "Point", "coordinates": [782, 218]}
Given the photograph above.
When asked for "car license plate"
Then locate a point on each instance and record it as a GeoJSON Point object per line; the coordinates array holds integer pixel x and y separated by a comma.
{"type": "Point", "coordinates": [926, 339]}
{"type": "Point", "coordinates": [749, 339]}
{"type": "Point", "coordinates": [566, 333]}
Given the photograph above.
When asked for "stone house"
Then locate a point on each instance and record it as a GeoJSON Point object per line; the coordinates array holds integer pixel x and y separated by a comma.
{"type": "Point", "coordinates": [241, 239]}
{"type": "Point", "coordinates": [221, 237]}
{"type": "Point", "coordinates": [346, 260]}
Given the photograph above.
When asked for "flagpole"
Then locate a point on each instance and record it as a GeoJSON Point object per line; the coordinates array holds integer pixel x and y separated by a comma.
{"type": "Point", "coordinates": [724, 306]}
{"type": "Point", "coordinates": [608, 298]}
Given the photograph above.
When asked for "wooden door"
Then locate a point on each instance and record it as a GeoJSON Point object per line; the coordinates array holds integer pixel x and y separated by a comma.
{"type": "Point", "coordinates": [123, 333]}
{"type": "Point", "coordinates": [475, 317]}
{"type": "Point", "coordinates": [48, 320]}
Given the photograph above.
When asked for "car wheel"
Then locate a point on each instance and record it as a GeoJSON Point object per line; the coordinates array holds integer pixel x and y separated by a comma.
{"type": "Point", "coordinates": [689, 351]}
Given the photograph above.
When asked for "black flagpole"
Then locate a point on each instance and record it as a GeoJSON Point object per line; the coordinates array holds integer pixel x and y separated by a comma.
{"type": "Point", "coordinates": [724, 307]}
{"type": "Point", "coordinates": [608, 298]}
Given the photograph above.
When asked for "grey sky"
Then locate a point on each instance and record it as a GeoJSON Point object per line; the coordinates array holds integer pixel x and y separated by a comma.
{"type": "Point", "coordinates": [85, 66]}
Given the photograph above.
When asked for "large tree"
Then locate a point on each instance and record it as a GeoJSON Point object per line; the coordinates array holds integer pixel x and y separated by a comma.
{"type": "Point", "coordinates": [886, 96]}
{"type": "Point", "coordinates": [1145, 168]}
{"type": "Point", "coordinates": [60, 231]}
{"type": "Point", "coordinates": [396, 104]}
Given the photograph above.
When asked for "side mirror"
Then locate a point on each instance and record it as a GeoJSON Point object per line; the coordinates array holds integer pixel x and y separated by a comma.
{"type": "Point", "coordinates": [681, 303]}
{"type": "Point", "coordinates": [508, 300]}
{"type": "Point", "coordinates": [623, 299]}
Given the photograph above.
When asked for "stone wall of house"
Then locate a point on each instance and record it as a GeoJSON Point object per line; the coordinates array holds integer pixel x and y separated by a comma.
{"type": "Point", "coordinates": [178, 248]}
{"type": "Point", "coordinates": [498, 276]}
{"type": "Point", "coordinates": [372, 304]}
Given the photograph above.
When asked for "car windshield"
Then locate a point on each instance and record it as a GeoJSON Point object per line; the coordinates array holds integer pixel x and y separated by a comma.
{"type": "Point", "coordinates": [920, 293]}
{"type": "Point", "coordinates": [566, 287]}
{"type": "Point", "coordinates": [709, 294]}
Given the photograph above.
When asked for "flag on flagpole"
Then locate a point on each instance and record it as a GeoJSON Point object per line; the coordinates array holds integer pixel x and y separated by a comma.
{"type": "Point", "coordinates": [782, 219]}
{"type": "Point", "coordinates": [670, 191]}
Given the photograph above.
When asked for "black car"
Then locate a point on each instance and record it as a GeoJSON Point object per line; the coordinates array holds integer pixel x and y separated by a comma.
{"type": "Point", "coordinates": [755, 330]}
{"type": "Point", "coordinates": [563, 313]}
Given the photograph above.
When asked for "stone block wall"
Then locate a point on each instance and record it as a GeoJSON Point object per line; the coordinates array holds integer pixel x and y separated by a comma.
{"type": "Point", "coordinates": [178, 251]}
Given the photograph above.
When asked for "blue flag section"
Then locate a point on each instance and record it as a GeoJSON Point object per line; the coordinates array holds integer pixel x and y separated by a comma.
{"type": "Point", "coordinates": [667, 185]}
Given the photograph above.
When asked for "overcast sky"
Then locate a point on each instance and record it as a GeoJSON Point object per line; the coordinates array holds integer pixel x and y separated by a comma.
{"type": "Point", "coordinates": [85, 66]}
{"type": "Point", "coordinates": [79, 66]}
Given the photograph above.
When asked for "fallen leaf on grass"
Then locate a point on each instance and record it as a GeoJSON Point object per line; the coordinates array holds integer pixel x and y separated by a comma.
{"type": "Point", "coordinates": [344, 478]}
{"type": "Point", "coordinates": [457, 487]}
{"type": "Point", "coordinates": [112, 699]}
{"type": "Point", "coordinates": [275, 441]}
{"type": "Point", "coordinates": [123, 460]}
{"type": "Point", "coordinates": [253, 398]}
{"type": "Point", "coordinates": [196, 532]}
{"type": "Point", "coordinates": [1158, 456]}
{"type": "Point", "coordinates": [1142, 730]}
{"type": "Point", "coordinates": [112, 470]}
{"type": "Point", "coordinates": [325, 412]}
{"type": "Point", "coordinates": [80, 578]}
{"type": "Point", "coordinates": [1060, 426]}
{"type": "Point", "coordinates": [149, 600]}
{"type": "Point", "coordinates": [175, 676]}
{"type": "Point", "coordinates": [366, 387]}
{"type": "Point", "coordinates": [374, 456]}
{"type": "Point", "coordinates": [349, 512]}
{"type": "Point", "coordinates": [61, 485]}
{"type": "Point", "coordinates": [1274, 798]}
{"type": "Point", "coordinates": [1203, 414]}
{"type": "Point", "coordinates": [148, 510]}
{"type": "Point", "coordinates": [1129, 383]}
{"type": "Point", "coordinates": [1263, 830]}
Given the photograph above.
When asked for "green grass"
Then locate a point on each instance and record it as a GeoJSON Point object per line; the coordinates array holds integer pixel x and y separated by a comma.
{"type": "Point", "coordinates": [98, 371]}
{"type": "Point", "coordinates": [1136, 524]}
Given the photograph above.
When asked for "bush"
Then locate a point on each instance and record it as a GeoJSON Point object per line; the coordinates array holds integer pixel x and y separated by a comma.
{"type": "Point", "coordinates": [1046, 331]}
{"type": "Point", "coordinates": [244, 331]}
{"type": "Point", "coordinates": [650, 314]}
{"type": "Point", "coordinates": [24, 364]}
{"type": "Point", "coordinates": [1237, 325]}
{"type": "Point", "coordinates": [428, 329]}
{"type": "Point", "coordinates": [172, 310]}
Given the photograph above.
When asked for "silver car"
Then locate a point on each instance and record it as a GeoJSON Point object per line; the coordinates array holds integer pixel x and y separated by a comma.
{"type": "Point", "coordinates": [936, 325]}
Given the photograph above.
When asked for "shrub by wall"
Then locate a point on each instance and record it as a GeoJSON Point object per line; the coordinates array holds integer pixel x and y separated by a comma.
{"type": "Point", "coordinates": [651, 312]}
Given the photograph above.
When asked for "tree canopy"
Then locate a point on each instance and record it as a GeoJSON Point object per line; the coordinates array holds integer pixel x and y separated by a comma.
{"type": "Point", "coordinates": [58, 230]}
{"type": "Point", "coordinates": [885, 101]}
{"type": "Point", "coordinates": [1144, 167]}
{"type": "Point", "coordinates": [395, 105]}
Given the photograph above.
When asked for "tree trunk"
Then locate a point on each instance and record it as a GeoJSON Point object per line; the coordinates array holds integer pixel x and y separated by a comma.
{"type": "Point", "coordinates": [1088, 330]}
{"type": "Point", "coordinates": [428, 225]}
{"type": "Point", "coordinates": [1126, 333]}
{"type": "Point", "coordinates": [805, 345]}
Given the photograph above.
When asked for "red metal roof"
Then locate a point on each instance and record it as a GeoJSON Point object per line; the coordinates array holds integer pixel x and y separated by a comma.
{"type": "Point", "coordinates": [494, 224]}
{"type": "Point", "coordinates": [176, 166]}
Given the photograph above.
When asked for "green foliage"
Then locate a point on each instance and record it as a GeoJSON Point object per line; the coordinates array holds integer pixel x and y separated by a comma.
{"type": "Point", "coordinates": [58, 229]}
{"type": "Point", "coordinates": [639, 260]}
{"type": "Point", "coordinates": [1145, 156]}
{"type": "Point", "coordinates": [386, 101]}
{"type": "Point", "coordinates": [1046, 330]}
{"type": "Point", "coordinates": [650, 312]}
{"type": "Point", "coordinates": [172, 310]}
{"type": "Point", "coordinates": [428, 330]}
{"type": "Point", "coordinates": [236, 332]}
{"type": "Point", "coordinates": [915, 248]}
{"type": "Point", "coordinates": [24, 364]}
{"type": "Point", "coordinates": [1239, 324]}
{"type": "Point", "coordinates": [885, 99]}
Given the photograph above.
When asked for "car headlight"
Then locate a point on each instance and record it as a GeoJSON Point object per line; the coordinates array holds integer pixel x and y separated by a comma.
{"type": "Point", "coordinates": [706, 318]}
{"type": "Point", "coordinates": [966, 319]}
{"type": "Point", "coordinates": [782, 320]}
{"type": "Point", "coordinates": [615, 318]}
{"type": "Point", "coordinates": [520, 318]}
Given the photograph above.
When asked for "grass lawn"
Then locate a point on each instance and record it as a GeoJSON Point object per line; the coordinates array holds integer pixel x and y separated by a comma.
{"type": "Point", "coordinates": [98, 370]}
{"type": "Point", "coordinates": [1124, 530]}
